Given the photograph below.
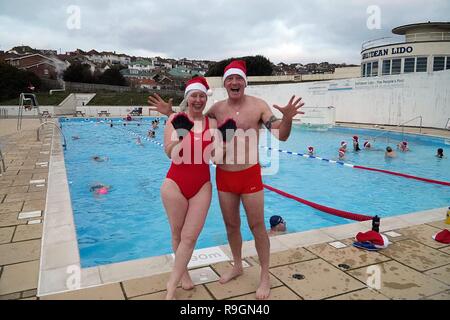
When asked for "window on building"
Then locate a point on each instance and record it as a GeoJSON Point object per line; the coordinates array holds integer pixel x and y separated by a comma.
{"type": "Point", "coordinates": [363, 70]}
{"type": "Point", "coordinates": [46, 71]}
{"type": "Point", "coordinates": [396, 66]}
{"type": "Point", "coordinates": [386, 67]}
{"type": "Point", "coordinates": [421, 64]}
{"type": "Point", "coordinates": [375, 69]}
{"type": "Point", "coordinates": [438, 63]}
{"type": "Point", "coordinates": [369, 69]}
{"type": "Point", "coordinates": [409, 65]}
{"type": "Point", "coordinates": [447, 66]}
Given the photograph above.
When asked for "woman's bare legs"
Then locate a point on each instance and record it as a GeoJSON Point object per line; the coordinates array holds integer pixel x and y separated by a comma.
{"type": "Point", "coordinates": [176, 207]}
{"type": "Point", "coordinates": [193, 221]}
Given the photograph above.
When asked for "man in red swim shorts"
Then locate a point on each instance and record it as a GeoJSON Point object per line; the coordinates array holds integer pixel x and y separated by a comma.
{"type": "Point", "coordinates": [239, 177]}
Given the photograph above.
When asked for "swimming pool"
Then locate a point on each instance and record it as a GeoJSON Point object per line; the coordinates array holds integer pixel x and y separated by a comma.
{"type": "Point", "coordinates": [130, 222]}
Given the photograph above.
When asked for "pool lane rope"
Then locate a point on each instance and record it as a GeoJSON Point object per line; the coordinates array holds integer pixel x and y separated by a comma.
{"type": "Point", "coordinates": [335, 212]}
{"type": "Point", "coordinates": [329, 210]}
{"type": "Point", "coordinates": [444, 183]}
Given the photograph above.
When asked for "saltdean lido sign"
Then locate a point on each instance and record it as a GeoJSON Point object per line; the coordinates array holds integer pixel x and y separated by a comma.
{"type": "Point", "coordinates": [385, 52]}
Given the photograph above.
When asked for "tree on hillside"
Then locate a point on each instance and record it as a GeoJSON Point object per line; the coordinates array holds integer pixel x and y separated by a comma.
{"type": "Point", "coordinates": [78, 72]}
{"type": "Point", "coordinates": [112, 76]}
{"type": "Point", "coordinates": [14, 81]}
{"type": "Point", "coordinates": [256, 66]}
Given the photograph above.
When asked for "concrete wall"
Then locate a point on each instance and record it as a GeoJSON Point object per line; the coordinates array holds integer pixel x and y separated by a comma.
{"type": "Point", "coordinates": [83, 99]}
{"type": "Point", "coordinates": [339, 73]}
{"type": "Point", "coordinates": [115, 111]}
{"type": "Point", "coordinates": [67, 106]}
{"type": "Point", "coordinates": [389, 100]}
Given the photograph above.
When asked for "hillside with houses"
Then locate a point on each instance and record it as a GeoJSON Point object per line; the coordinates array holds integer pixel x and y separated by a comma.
{"type": "Point", "coordinates": [140, 73]}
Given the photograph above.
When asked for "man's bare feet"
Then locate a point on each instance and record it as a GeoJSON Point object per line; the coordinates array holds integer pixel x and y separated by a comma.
{"type": "Point", "coordinates": [263, 290]}
{"type": "Point", "coordinates": [186, 281]}
{"type": "Point", "coordinates": [235, 272]}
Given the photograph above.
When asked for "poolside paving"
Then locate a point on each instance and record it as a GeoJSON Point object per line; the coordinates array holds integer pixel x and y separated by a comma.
{"type": "Point", "coordinates": [302, 266]}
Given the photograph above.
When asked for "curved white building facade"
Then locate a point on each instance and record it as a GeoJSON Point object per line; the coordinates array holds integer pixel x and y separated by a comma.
{"type": "Point", "coordinates": [426, 48]}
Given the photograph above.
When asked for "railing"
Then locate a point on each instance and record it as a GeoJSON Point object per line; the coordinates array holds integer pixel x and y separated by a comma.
{"type": "Point", "coordinates": [31, 102]}
{"type": "Point", "coordinates": [403, 124]}
{"type": "Point", "coordinates": [379, 42]}
{"type": "Point", "coordinates": [3, 113]}
{"type": "Point", "coordinates": [56, 126]}
{"type": "Point", "coordinates": [428, 36]}
{"type": "Point", "coordinates": [3, 162]}
{"type": "Point", "coordinates": [403, 127]}
{"type": "Point", "coordinates": [412, 37]}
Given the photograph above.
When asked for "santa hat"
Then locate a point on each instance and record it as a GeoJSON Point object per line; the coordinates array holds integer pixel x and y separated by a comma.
{"type": "Point", "coordinates": [343, 144]}
{"type": "Point", "coordinates": [355, 138]}
{"type": "Point", "coordinates": [405, 143]}
{"type": "Point", "coordinates": [237, 67]}
{"type": "Point", "coordinates": [380, 241]}
{"type": "Point", "coordinates": [442, 236]}
{"type": "Point", "coordinates": [310, 149]}
{"type": "Point", "coordinates": [367, 144]}
{"type": "Point", "coordinates": [197, 83]}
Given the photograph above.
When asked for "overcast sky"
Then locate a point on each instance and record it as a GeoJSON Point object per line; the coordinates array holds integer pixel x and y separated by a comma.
{"type": "Point", "coordinates": [282, 30]}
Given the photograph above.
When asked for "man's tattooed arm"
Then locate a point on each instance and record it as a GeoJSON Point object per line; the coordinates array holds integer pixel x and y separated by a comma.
{"type": "Point", "coordinates": [269, 122]}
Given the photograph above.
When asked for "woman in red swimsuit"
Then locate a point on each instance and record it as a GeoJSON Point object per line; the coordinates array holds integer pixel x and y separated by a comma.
{"type": "Point", "coordinates": [186, 191]}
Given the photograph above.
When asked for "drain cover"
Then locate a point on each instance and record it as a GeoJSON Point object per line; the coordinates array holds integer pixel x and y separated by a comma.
{"type": "Point", "coordinates": [344, 266]}
{"type": "Point", "coordinates": [298, 276]}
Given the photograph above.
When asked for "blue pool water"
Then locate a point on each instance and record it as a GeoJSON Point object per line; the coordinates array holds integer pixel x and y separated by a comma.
{"type": "Point", "coordinates": [130, 222]}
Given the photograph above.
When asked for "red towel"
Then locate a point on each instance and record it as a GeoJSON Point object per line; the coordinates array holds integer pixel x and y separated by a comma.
{"type": "Point", "coordinates": [442, 236]}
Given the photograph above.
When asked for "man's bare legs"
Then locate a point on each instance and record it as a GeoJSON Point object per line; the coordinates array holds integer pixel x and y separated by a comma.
{"type": "Point", "coordinates": [229, 204]}
{"type": "Point", "coordinates": [185, 228]}
{"type": "Point", "coordinates": [254, 208]}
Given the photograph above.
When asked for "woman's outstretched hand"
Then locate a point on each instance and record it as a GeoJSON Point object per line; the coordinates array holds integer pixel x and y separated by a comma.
{"type": "Point", "coordinates": [158, 104]}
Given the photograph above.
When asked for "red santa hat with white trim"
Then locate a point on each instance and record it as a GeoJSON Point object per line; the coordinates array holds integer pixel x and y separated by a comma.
{"type": "Point", "coordinates": [380, 241]}
{"type": "Point", "coordinates": [237, 67]}
{"type": "Point", "coordinates": [197, 83]}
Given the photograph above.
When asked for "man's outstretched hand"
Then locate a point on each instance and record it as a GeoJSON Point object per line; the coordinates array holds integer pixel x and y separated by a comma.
{"type": "Point", "coordinates": [292, 108]}
{"type": "Point", "coordinates": [158, 104]}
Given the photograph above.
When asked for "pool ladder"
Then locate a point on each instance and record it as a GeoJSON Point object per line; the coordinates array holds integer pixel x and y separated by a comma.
{"type": "Point", "coordinates": [403, 127]}
{"type": "Point", "coordinates": [56, 126]}
{"type": "Point", "coordinates": [2, 159]}
{"type": "Point", "coordinates": [27, 100]}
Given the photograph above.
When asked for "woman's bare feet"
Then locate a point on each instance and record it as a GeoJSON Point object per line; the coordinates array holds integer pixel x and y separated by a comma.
{"type": "Point", "coordinates": [170, 293]}
{"type": "Point", "coordinates": [235, 272]}
{"type": "Point", "coordinates": [263, 290]}
{"type": "Point", "coordinates": [186, 281]}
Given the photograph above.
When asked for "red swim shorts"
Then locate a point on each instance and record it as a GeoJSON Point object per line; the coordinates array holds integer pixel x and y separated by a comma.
{"type": "Point", "coordinates": [240, 182]}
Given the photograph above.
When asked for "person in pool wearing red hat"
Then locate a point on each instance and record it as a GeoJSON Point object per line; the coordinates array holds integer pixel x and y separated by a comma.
{"type": "Point", "coordinates": [240, 181]}
{"type": "Point", "coordinates": [403, 146]}
{"type": "Point", "coordinates": [356, 144]}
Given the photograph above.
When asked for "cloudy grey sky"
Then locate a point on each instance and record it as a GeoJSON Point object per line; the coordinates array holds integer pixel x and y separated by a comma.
{"type": "Point", "coordinates": [282, 30]}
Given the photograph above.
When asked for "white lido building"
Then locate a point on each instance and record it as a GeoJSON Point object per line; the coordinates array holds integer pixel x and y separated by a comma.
{"type": "Point", "coordinates": [426, 48]}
